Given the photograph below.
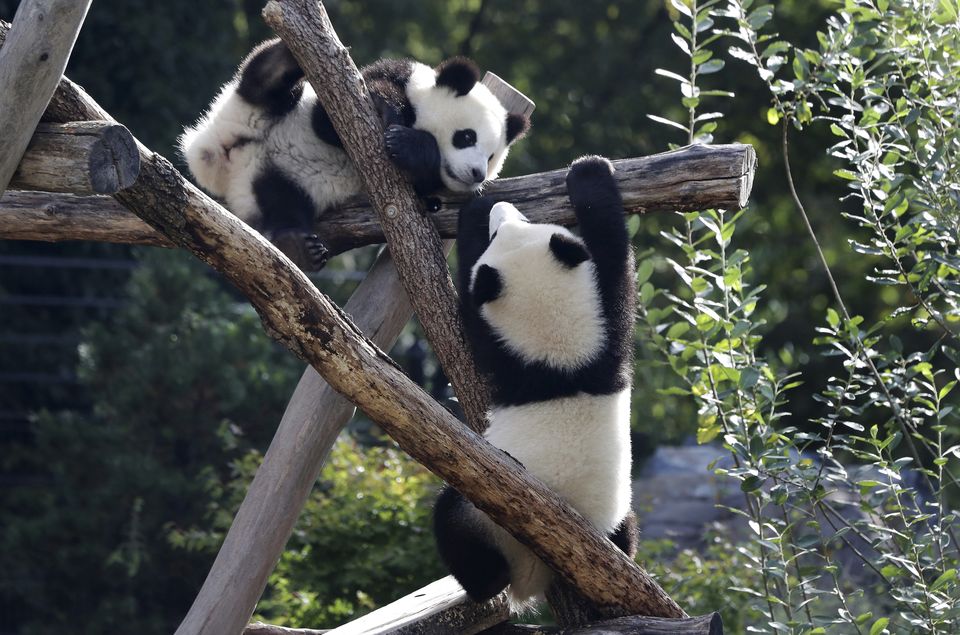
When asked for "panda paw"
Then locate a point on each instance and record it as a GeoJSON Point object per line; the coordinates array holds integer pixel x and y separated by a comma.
{"type": "Point", "coordinates": [590, 181]}
{"type": "Point", "coordinates": [403, 146]}
{"type": "Point", "coordinates": [306, 250]}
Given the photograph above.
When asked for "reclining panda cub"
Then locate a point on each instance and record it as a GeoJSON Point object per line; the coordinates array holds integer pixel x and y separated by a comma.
{"type": "Point", "coordinates": [267, 147]}
{"type": "Point", "coordinates": [550, 318]}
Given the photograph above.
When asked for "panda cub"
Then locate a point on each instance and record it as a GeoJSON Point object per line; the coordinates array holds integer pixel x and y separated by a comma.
{"type": "Point", "coordinates": [267, 147]}
{"type": "Point", "coordinates": [550, 319]}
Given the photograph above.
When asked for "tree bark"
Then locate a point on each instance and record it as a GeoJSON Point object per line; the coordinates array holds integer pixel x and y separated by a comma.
{"type": "Point", "coordinates": [83, 157]}
{"type": "Point", "coordinates": [31, 64]}
{"type": "Point", "coordinates": [414, 242]}
{"type": "Point", "coordinates": [691, 178]}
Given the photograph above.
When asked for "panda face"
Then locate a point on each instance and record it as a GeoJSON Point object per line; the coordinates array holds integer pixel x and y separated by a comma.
{"type": "Point", "coordinates": [537, 290]}
{"type": "Point", "coordinates": [467, 120]}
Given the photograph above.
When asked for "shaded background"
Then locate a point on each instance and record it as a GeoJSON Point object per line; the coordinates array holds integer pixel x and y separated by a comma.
{"type": "Point", "coordinates": [137, 390]}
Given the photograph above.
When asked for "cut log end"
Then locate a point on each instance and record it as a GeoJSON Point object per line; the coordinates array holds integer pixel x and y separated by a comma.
{"type": "Point", "coordinates": [83, 157]}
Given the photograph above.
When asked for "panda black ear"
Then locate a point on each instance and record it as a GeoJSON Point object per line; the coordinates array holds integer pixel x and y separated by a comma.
{"type": "Point", "coordinates": [487, 285]}
{"type": "Point", "coordinates": [459, 74]}
{"type": "Point", "coordinates": [570, 251]}
{"type": "Point", "coordinates": [517, 126]}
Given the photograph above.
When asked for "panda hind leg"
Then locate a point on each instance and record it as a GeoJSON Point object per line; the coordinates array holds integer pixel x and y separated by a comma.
{"type": "Point", "coordinates": [466, 547]}
{"type": "Point", "coordinates": [288, 214]}
{"type": "Point", "coordinates": [626, 535]}
{"type": "Point", "coordinates": [271, 78]}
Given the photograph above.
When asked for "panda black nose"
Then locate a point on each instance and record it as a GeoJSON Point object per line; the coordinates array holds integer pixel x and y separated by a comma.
{"type": "Point", "coordinates": [479, 176]}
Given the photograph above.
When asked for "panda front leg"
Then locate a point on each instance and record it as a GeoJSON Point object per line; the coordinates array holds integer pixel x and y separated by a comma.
{"type": "Point", "coordinates": [287, 217]}
{"type": "Point", "coordinates": [596, 200]}
{"type": "Point", "coordinates": [467, 548]}
{"type": "Point", "coordinates": [271, 79]}
{"type": "Point", "coordinates": [415, 152]}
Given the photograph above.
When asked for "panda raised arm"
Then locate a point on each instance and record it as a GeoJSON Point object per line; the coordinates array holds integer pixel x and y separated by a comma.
{"type": "Point", "coordinates": [268, 149]}
{"type": "Point", "coordinates": [549, 316]}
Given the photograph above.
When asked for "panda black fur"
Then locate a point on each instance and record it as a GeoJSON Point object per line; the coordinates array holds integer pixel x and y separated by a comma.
{"type": "Point", "coordinates": [267, 147]}
{"type": "Point", "coordinates": [550, 318]}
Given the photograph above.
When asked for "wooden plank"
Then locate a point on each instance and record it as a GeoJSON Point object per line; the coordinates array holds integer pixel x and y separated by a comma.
{"type": "Point", "coordinates": [440, 608]}
{"type": "Point", "coordinates": [691, 178]}
{"type": "Point", "coordinates": [81, 157]}
{"type": "Point", "coordinates": [32, 60]}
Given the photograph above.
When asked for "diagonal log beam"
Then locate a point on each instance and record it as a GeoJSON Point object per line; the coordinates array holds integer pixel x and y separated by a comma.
{"type": "Point", "coordinates": [688, 179]}
{"type": "Point", "coordinates": [295, 313]}
{"type": "Point", "coordinates": [31, 64]}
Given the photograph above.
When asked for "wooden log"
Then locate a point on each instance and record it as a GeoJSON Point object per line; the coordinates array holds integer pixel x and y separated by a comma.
{"type": "Point", "coordinates": [313, 419]}
{"type": "Point", "coordinates": [32, 61]}
{"type": "Point", "coordinates": [82, 157]}
{"type": "Point", "coordinates": [629, 625]}
{"type": "Point", "coordinates": [688, 179]}
{"type": "Point", "coordinates": [61, 217]}
{"type": "Point", "coordinates": [440, 608]}
{"type": "Point", "coordinates": [414, 242]}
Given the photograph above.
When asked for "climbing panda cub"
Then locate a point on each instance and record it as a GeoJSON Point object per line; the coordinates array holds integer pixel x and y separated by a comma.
{"type": "Point", "coordinates": [550, 319]}
{"type": "Point", "coordinates": [267, 147]}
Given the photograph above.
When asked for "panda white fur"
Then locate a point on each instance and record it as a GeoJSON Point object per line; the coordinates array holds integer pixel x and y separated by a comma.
{"type": "Point", "coordinates": [550, 319]}
{"type": "Point", "coordinates": [268, 149]}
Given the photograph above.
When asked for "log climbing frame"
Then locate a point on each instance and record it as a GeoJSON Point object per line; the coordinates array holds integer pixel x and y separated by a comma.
{"type": "Point", "coordinates": [80, 175]}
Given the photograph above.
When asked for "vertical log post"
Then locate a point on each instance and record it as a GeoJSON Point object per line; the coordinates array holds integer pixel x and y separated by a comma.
{"type": "Point", "coordinates": [32, 61]}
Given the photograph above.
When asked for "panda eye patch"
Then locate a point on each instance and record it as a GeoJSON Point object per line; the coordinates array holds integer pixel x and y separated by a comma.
{"type": "Point", "coordinates": [464, 138]}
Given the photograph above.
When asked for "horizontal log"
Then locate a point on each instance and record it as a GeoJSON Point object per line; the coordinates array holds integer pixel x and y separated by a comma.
{"type": "Point", "coordinates": [59, 217]}
{"type": "Point", "coordinates": [630, 625]}
{"type": "Point", "coordinates": [691, 178]}
{"type": "Point", "coordinates": [81, 157]}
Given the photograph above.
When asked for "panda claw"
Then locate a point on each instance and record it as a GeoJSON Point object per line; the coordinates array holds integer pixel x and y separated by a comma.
{"type": "Point", "coordinates": [433, 204]}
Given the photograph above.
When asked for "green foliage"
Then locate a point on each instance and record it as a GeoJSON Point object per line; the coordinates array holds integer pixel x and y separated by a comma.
{"type": "Point", "coordinates": [885, 79]}
{"type": "Point", "coordinates": [183, 380]}
{"type": "Point", "coordinates": [711, 579]}
{"type": "Point", "coordinates": [362, 540]}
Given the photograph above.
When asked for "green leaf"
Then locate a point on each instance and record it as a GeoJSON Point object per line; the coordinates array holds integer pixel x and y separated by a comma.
{"type": "Point", "coordinates": [667, 122]}
{"type": "Point", "coordinates": [681, 7]}
{"type": "Point", "coordinates": [946, 389]}
{"type": "Point", "coordinates": [646, 293]}
{"type": "Point", "coordinates": [879, 626]}
{"type": "Point", "coordinates": [773, 117]}
{"type": "Point", "coordinates": [947, 576]}
{"type": "Point", "coordinates": [845, 174]}
{"type": "Point", "coordinates": [833, 319]}
{"type": "Point", "coordinates": [644, 271]}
